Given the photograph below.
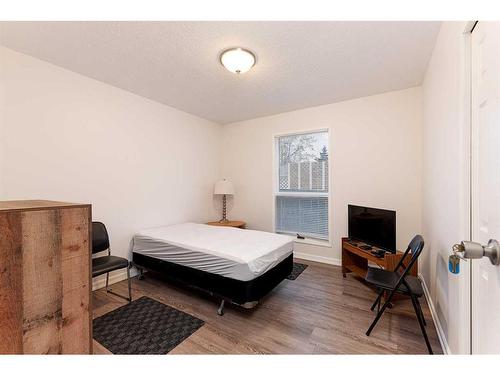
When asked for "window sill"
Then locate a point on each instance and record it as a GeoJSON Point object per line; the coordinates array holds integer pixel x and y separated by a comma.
{"type": "Point", "coordinates": [314, 242]}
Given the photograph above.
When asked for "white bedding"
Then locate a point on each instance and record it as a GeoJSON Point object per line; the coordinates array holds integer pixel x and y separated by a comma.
{"type": "Point", "coordinates": [239, 254]}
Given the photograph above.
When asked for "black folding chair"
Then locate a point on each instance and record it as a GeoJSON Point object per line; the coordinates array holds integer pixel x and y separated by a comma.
{"type": "Point", "coordinates": [399, 281]}
{"type": "Point", "coordinates": [106, 264]}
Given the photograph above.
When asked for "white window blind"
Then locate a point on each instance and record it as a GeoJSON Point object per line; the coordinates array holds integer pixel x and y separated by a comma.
{"type": "Point", "coordinates": [302, 191]}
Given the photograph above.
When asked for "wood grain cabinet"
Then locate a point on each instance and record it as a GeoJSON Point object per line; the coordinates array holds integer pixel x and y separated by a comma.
{"type": "Point", "coordinates": [355, 259]}
{"type": "Point", "coordinates": [45, 278]}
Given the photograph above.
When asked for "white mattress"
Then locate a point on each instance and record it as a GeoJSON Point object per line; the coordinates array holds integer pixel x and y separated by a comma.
{"type": "Point", "coordinates": [239, 254]}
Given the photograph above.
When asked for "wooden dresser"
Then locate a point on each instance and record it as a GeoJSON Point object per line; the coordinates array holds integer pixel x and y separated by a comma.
{"type": "Point", "coordinates": [45, 278]}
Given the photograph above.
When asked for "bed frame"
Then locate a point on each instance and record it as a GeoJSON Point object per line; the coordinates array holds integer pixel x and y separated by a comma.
{"type": "Point", "coordinates": [243, 293]}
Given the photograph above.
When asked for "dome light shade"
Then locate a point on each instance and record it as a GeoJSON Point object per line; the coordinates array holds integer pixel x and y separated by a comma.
{"type": "Point", "coordinates": [237, 60]}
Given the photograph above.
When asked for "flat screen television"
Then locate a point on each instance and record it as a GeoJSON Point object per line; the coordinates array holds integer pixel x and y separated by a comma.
{"type": "Point", "coordinates": [373, 226]}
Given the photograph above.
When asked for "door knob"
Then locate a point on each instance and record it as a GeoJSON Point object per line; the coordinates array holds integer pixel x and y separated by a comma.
{"type": "Point", "coordinates": [474, 250]}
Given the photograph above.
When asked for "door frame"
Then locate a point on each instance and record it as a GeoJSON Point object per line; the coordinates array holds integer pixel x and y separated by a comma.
{"type": "Point", "coordinates": [466, 286]}
{"type": "Point", "coordinates": [465, 128]}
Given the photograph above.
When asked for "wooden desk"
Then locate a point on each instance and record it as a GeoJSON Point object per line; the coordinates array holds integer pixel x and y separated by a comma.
{"type": "Point", "coordinates": [229, 223]}
{"type": "Point", "coordinates": [355, 259]}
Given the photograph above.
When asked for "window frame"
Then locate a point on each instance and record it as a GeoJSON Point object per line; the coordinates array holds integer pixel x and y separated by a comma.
{"type": "Point", "coordinates": [277, 192]}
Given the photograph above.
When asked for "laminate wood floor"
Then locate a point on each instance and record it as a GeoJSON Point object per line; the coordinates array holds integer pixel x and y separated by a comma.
{"type": "Point", "coordinates": [318, 313]}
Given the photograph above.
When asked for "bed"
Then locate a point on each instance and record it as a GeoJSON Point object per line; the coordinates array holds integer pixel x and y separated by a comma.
{"type": "Point", "coordinates": [239, 266]}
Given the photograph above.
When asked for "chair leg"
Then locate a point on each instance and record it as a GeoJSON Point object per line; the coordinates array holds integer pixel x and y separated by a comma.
{"type": "Point", "coordinates": [379, 314]}
{"type": "Point", "coordinates": [129, 285]}
{"type": "Point", "coordinates": [129, 298]}
{"type": "Point", "coordinates": [377, 301]}
{"type": "Point", "coordinates": [421, 324]}
{"type": "Point", "coordinates": [421, 312]}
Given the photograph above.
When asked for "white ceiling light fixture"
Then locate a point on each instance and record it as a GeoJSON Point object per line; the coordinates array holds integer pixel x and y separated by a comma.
{"type": "Point", "coordinates": [237, 60]}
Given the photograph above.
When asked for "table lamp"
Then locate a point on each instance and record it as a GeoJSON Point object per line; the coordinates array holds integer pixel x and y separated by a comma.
{"type": "Point", "coordinates": [224, 187]}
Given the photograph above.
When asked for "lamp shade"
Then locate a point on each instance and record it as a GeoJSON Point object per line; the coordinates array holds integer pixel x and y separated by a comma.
{"type": "Point", "coordinates": [224, 187]}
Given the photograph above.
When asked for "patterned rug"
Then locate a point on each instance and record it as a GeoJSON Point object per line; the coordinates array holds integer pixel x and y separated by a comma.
{"type": "Point", "coordinates": [298, 268]}
{"type": "Point", "coordinates": [144, 326]}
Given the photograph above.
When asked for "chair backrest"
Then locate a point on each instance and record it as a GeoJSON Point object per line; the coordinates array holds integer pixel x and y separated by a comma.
{"type": "Point", "coordinates": [414, 248]}
{"type": "Point", "coordinates": [100, 238]}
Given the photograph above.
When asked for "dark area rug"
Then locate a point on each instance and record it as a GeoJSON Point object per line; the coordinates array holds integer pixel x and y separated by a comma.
{"type": "Point", "coordinates": [298, 268]}
{"type": "Point", "coordinates": [144, 326]}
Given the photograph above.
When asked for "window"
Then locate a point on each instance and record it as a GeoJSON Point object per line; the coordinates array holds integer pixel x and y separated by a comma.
{"type": "Point", "coordinates": [302, 185]}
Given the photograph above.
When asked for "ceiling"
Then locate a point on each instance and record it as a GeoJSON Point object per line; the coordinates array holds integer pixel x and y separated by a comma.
{"type": "Point", "coordinates": [299, 64]}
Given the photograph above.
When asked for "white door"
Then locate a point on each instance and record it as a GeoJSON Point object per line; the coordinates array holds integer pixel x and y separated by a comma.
{"type": "Point", "coordinates": [485, 199]}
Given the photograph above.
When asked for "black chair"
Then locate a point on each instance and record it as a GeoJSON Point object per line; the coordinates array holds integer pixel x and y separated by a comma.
{"type": "Point", "coordinates": [106, 264]}
{"type": "Point", "coordinates": [399, 281]}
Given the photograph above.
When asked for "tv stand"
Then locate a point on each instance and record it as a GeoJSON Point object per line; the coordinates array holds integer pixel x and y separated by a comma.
{"type": "Point", "coordinates": [355, 259]}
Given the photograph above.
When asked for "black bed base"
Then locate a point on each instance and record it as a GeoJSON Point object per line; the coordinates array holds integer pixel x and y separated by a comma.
{"type": "Point", "coordinates": [244, 293]}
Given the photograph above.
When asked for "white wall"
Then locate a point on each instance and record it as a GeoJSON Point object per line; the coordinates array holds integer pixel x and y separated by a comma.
{"type": "Point", "coordinates": [375, 160]}
{"type": "Point", "coordinates": [445, 183]}
{"type": "Point", "coordinates": [67, 137]}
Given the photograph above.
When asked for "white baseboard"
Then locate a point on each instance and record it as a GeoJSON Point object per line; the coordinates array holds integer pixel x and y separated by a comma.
{"type": "Point", "coordinates": [114, 277]}
{"type": "Point", "coordinates": [317, 258]}
{"type": "Point", "coordinates": [435, 318]}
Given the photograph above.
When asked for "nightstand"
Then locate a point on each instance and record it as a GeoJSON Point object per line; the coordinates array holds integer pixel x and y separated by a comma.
{"type": "Point", "coordinates": [229, 223]}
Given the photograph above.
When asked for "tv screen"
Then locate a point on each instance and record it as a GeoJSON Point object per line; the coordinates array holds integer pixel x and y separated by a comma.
{"type": "Point", "coordinates": [374, 226]}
